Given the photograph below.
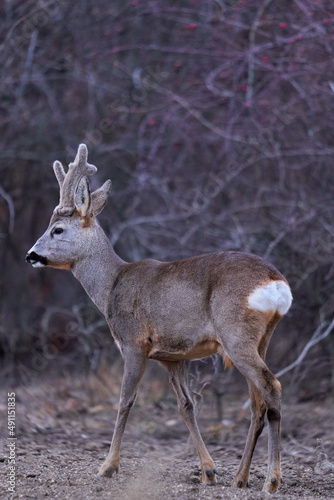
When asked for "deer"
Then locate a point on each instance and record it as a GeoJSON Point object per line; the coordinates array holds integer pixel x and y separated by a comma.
{"type": "Point", "coordinates": [226, 302]}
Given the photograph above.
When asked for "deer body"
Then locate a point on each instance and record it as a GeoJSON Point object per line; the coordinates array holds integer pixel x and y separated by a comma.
{"type": "Point", "coordinates": [184, 309]}
{"type": "Point", "coordinates": [227, 302]}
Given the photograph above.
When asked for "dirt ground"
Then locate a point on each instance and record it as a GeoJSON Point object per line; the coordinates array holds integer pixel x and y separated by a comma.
{"type": "Point", "coordinates": [64, 427]}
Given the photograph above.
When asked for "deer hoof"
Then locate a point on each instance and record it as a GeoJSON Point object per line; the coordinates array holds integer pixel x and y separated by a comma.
{"type": "Point", "coordinates": [272, 485]}
{"type": "Point", "coordinates": [108, 472]}
{"type": "Point", "coordinates": [239, 483]}
{"type": "Point", "coordinates": [210, 476]}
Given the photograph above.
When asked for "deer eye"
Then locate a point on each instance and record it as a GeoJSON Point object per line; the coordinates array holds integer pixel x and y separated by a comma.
{"type": "Point", "coordinates": [58, 230]}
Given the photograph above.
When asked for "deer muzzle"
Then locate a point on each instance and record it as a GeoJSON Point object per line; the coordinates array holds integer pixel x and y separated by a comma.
{"type": "Point", "coordinates": [36, 260]}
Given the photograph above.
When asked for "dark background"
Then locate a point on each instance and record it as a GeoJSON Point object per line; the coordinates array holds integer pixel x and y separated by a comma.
{"type": "Point", "coordinates": [214, 120]}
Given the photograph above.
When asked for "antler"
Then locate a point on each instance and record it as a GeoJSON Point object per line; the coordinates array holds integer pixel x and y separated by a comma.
{"type": "Point", "coordinates": [69, 181]}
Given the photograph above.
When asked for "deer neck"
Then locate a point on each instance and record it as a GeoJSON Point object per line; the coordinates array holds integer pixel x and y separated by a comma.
{"type": "Point", "coordinates": [98, 269]}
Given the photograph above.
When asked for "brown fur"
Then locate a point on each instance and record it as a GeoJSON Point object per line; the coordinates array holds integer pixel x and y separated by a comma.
{"type": "Point", "coordinates": [86, 221]}
{"type": "Point", "coordinates": [227, 361]}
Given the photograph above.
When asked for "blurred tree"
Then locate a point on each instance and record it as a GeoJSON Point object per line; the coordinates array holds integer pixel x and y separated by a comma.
{"type": "Point", "coordinates": [213, 119]}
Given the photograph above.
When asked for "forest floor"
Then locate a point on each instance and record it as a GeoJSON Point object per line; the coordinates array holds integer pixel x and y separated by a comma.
{"type": "Point", "coordinates": [64, 427]}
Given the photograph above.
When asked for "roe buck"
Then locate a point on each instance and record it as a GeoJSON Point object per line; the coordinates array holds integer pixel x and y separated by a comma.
{"type": "Point", "coordinates": [225, 302]}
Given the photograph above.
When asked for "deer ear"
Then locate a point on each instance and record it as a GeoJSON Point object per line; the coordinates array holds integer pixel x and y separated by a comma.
{"type": "Point", "coordinates": [82, 198]}
{"type": "Point", "coordinates": [100, 196]}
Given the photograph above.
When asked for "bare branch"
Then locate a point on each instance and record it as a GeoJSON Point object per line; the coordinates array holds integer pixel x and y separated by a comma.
{"type": "Point", "coordinates": [316, 337]}
{"type": "Point", "coordinates": [251, 62]}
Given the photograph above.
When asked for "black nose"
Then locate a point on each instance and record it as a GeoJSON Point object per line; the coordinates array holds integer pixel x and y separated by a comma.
{"type": "Point", "coordinates": [33, 257]}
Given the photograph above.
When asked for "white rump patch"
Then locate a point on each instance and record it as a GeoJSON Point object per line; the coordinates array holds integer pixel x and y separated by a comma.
{"type": "Point", "coordinates": [275, 296]}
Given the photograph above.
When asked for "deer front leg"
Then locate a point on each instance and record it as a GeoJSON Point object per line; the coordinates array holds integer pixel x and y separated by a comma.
{"type": "Point", "coordinates": [134, 366]}
{"type": "Point", "coordinates": [186, 409]}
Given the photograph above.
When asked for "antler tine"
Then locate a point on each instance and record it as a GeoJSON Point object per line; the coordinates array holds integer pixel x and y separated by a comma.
{"type": "Point", "coordinates": [59, 172]}
{"type": "Point", "coordinates": [81, 161]}
{"type": "Point", "coordinates": [76, 171]}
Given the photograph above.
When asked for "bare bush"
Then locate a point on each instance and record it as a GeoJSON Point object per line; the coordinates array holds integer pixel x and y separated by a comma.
{"type": "Point", "coordinates": [214, 120]}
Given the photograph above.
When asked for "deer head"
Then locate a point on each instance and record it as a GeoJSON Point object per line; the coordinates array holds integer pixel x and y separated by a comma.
{"type": "Point", "coordinates": [73, 222]}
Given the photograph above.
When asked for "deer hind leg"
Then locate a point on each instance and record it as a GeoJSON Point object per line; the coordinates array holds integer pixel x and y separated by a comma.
{"type": "Point", "coordinates": [186, 409]}
{"type": "Point", "coordinates": [134, 366]}
{"type": "Point", "coordinates": [252, 366]}
{"type": "Point", "coordinates": [258, 408]}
